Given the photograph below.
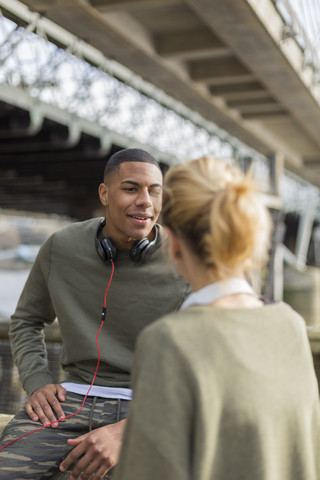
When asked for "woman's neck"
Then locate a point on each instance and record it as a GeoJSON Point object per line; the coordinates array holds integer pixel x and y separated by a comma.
{"type": "Point", "coordinates": [201, 276]}
{"type": "Point", "coordinates": [226, 292]}
{"type": "Point", "coordinates": [240, 300]}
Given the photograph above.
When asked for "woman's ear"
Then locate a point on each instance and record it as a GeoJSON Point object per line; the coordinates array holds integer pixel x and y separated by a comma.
{"type": "Point", "coordinates": [103, 194]}
{"type": "Point", "coordinates": [174, 245]}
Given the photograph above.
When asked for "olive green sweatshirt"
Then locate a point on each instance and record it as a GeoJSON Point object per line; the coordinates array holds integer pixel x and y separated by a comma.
{"type": "Point", "coordinates": [223, 395]}
{"type": "Point", "coordinates": [68, 281]}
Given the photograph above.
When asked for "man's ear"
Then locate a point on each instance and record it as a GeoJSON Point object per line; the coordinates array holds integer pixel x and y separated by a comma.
{"type": "Point", "coordinates": [103, 194]}
{"type": "Point", "coordinates": [174, 245]}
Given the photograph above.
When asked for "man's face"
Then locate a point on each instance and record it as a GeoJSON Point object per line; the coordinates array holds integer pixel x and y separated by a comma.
{"type": "Point", "coordinates": [133, 198]}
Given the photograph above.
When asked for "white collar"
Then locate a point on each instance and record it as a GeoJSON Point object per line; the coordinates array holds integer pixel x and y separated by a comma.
{"type": "Point", "coordinates": [212, 292]}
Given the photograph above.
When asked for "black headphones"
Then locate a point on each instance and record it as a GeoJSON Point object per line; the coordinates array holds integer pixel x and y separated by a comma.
{"type": "Point", "coordinates": [138, 252]}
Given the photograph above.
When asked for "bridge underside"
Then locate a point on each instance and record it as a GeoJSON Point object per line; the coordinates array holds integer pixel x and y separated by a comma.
{"type": "Point", "coordinates": [47, 165]}
{"type": "Point", "coordinates": [232, 61]}
{"type": "Point", "coordinates": [43, 171]}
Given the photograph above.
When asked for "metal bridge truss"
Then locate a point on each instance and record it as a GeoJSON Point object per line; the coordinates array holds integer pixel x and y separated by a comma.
{"type": "Point", "coordinates": [74, 84]}
{"type": "Point", "coordinates": [299, 17]}
{"type": "Point", "coordinates": [53, 74]}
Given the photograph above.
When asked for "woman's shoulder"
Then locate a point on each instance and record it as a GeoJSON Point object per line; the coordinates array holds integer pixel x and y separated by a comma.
{"type": "Point", "coordinates": [176, 330]}
{"type": "Point", "coordinates": [181, 324]}
{"type": "Point", "coordinates": [284, 312]}
{"type": "Point", "coordinates": [171, 322]}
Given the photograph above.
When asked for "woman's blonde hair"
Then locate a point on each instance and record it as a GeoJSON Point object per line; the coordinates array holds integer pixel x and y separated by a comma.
{"type": "Point", "coordinates": [219, 213]}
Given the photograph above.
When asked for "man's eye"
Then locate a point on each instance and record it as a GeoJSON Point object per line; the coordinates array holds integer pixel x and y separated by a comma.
{"type": "Point", "coordinates": [155, 192]}
{"type": "Point", "coordinates": [129, 189]}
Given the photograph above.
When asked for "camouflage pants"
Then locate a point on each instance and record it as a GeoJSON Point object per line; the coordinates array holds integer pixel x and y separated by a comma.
{"type": "Point", "coordinates": [39, 455]}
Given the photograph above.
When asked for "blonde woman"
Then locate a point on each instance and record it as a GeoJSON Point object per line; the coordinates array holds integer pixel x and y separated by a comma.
{"type": "Point", "coordinates": [225, 388]}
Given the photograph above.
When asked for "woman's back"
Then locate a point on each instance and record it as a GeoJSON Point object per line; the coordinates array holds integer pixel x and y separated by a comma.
{"type": "Point", "coordinates": [255, 393]}
{"type": "Point", "coordinates": [240, 392]}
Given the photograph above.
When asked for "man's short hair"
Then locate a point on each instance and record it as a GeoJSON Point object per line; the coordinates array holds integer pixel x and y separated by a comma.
{"type": "Point", "coordinates": [128, 155]}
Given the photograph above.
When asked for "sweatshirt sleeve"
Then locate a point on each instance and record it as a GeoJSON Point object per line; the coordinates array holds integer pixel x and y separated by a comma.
{"type": "Point", "coordinates": [26, 331]}
{"type": "Point", "coordinates": [157, 439]}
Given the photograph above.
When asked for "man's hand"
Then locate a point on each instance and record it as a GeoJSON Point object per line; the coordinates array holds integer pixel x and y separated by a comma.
{"type": "Point", "coordinates": [44, 404]}
{"type": "Point", "coordinates": [99, 451]}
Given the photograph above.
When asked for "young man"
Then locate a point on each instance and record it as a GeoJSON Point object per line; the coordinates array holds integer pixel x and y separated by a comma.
{"type": "Point", "coordinates": [69, 281]}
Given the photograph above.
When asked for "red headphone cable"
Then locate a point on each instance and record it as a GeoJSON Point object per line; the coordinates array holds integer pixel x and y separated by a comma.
{"type": "Point", "coordinates": [103, 316]}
